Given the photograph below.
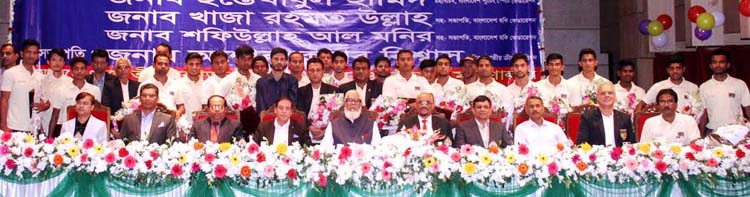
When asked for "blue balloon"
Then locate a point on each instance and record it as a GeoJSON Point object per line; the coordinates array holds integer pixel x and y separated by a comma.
{"type": "Point", "coordinates": [643, 27]}
{"type": "Point", "coordinates": [702, 34]}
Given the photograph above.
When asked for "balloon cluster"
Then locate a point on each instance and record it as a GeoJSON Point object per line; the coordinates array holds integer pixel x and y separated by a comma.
{"type": "Point", "coordinates": [656, 29]}
{"type": "Point", "coordinates": [704, 21]}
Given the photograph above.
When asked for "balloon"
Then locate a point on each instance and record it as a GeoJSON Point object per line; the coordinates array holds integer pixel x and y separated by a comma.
{"type": "Point", "coordinates": [643, 27]}
{"type": "Point", "coordinates": [694, 11]}
{"type": "Point", "coordinates": [655, 28]}
{"type": "Point", "coordinates": [702, 34]}
{"type": "Point", "coordinates": [706, 21]}
{"type": "Point", "coordinates": [745, 8]}
{"type": "Point", "coordinates": [665, 20]}
{"type": "Point", "coordinates": [719, 17]}
{"type": "Point", "coordinates": [660, 40]}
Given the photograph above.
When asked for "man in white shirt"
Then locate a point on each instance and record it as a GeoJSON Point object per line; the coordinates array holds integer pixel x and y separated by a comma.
{"type": "Point", "coordinates": [427, 70]}
{"type": "Point", "coordinates": [724, 96]}
{"type": "Point", "coordinates": [670, 126]}
{"type": "Point", "coordinates": [66, 94]}
{"type": "Point", "coordinates": [521, 83]}
{"type": "Point", "coordinates": [339, 76]}
{"type": "Point", "coordinates": [537, 133]}
{"type": "Point", "coordinates": [588, 79]}
{"type": "Point", "coordinates": [52, 81]}
{"type": "Point", "coordinates": [628, 93]}
{"type": "Point", "coordinates": [445, 84]}
{"type": "Point", "coordinates": [357, 125]}
{"type": "Point", "coordinates": [244, 62]}
{"type": "Point", "coordinates": [685, 89]}
{"type": "Point", "coordinates": [169, 88]}
{"type": "Point", "coordinates": [297, 68]}
{"type": "Point", "coordinates": [192, 82]}
{"type": "Point", "coordinates": [469, 70]}
{"type": "Point", "coordinates": [555, 86]}
{"type": "Point", "coordinates": [487, 86]}
{"type": "Point", "coordinates": [405, 84]}
{"type": "Point", "coordinates": [220, 67]}
{"type": "Point", "coordinates": [9, 55]}
{"type": "Point", "coordinates": [18, 83]}
{"type": "Point", "coordinates": [149, 72]}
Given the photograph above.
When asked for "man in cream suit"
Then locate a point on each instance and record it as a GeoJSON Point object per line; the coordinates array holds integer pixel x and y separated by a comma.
{"type": "Point", "coordinates": [86, 125]}
{"type": "Point", "coordinates": [147, 123]}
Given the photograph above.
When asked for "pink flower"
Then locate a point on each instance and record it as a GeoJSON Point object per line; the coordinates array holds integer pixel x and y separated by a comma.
{"type": "Point", "coordinates": [123, 152]}
{"type": "Point", "coordinates": [684, 165]}
{"type": "Point", "coordinates": [359, 153]}
{"type": "Point", "coordinates": [176, 170]}
{"type": "Point", "coordinates": [346, 152]}
{"type": "Point", "coordinates": [556, 108]}
{"type": "Point", "coordinates": [322, 181]}
{"type": "Point", "coordinates": [592, 157]}
{"type": "Point", "coordinates": [220, 171]}
{"type": "Point", "coordinates": [576, 158]}
{"type": "Point", "coordinates": [252, 148]}
{"type": "Point", "coordinates": [268, 171]}
{"type": "Point", "coordinates": [149, 164]}
{"type": "Point", "coordinates": [696, 147]}
{"type": "Point", "coordinates": [552, 168]}
{"type": "Point", "coordinates": [386, 165]}
{"type": "Point", "coordinates": [88, 143]}
{"type": "Point", "coordinates": [195, 167]}
{"type": "Point", "coordinates": [10, 164]}
{"type": "Point", "coordinates": [456, 157]}
{"type": "Point", "coordinates": [109, 158]}
{"type": "Point", "coordinates": [407, 152]}
{"type": "Point", "coordinates": [6, 136]}
{"type": "Point", "coordinates": [209, 157]}
{"type": "Point", "coordinates": [129, 162]}
{"type": "Point", "coordinates": [49, 140]}
{"type": "Point", "coordinates": [4, 150]}
{"type": "Point", "coordinates": [661, 166]}
{"type": "Point", "coordinates": [645, 163]}
{"type": "Point", "coordinates": [523, 149]}
{"type": "Point", "coordinates": [366, 167]}
{"type": "Point", "coordinates": [28, 152]}
{"type": "Point", "coordinates": [316, 155]}
{"type": "Point", "coordinates": [260, 157]}
{"type": "Point", "coordinates": [631, 164]}
{"type": "Point", "coordinates": [443, 148]}
{"type": "Point", "coordinates": [154, 155]}
{"type": "Point", "coordinates": [386, 175]}
{"type": "Point", "coordinates": [712, 162]}
{"type": "Point", "coordinates": [435, 167]}
{"type": "Point", "coordinates": [291, 174]}
{"type": "Point", "coordinates": [658, 154]}
{"type": "Point", "coordinates": [466, 149]}
{"type": "Point", "coordinates": [84, 158]}
{"type": "Point", "coordinates": [532, 91]}
{"type": "Point", "coordinates": [631, 151]}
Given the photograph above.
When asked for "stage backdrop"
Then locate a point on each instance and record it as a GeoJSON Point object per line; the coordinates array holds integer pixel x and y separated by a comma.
{"type": "Point", "coordinates": [132, 28]}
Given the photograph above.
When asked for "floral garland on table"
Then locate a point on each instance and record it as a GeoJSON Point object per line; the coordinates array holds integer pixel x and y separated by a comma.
{"type": "Point", "coordinates": [322, 116]}
{"type": "Point", "coordinates": [627, 106]}
{"type": "Point", "coordinates": [366, 166]}
{"type": "Point", "coordinates": [694, 105]}
{"type": "Point", "coordinates": [242, 94]}
{"type": "Point", "coordinates": [128, 107]}
{"type": "Point", "coordinates": [390, 109]}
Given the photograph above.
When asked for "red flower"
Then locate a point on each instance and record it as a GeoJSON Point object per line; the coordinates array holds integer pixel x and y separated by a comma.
{"type": "Point", "coordinates": [220, 171]}
{"type": "Point", "coordinates": [658, 154]}
{"type": "Point", "coordinates": [592, 157]}
{"type": "Point", "coordinates": [316, 155]}
{"type": "Point", "coordinates": [84, 158]}
{"type": "Point", "coordinates": [740, 154]}
{"type": "Point", "coordinates": [49, 140]}
{"type": "Point", "coordinates": [346, 152]}
{"type": "Point", "coordinates": [123, 152]}
{"type": "Point", "coordinates": [109, 158]}
{"type": "Point", "coordinates": [386, 165]}
{"type": "Point", "coordinates": [366, 167]}
{"type": "Point", "coordinates": [291, 174]}
{"type": "Point", "coordinates": [576, 158]}
{"type": "Point", "coordinates": [209, 158]}
{"type": "Point", "coordinates": [407, 152]}
{"type": "Point", "coordinates": [196, 167]}
{"type": "Point", "coordinates": [260, 157]}
{"type": "Point", "coordinates": [661, 166]}
{"type": "Point", "coordinates": [28, 152]}
{"type": "Point", "coordinates": [252, 148]}
{"type": "Point", "coordinates": [696, 147]}
{"type": "Point", "coordinates": [6, 137]}
{"type": "Point", "coordinates": [154, 155]}
{"type": "Point", "coordinates": [552, 168]}
{"type": "Point", "coordinates": [129, 162]}
{"type": "Point", "coordinates": [690, 156]}
{"type": "Point", "coordinates": [631, 151]}
{"type": "Point", "coordinates": [10, 164]}
{"type": "Point", "coordinates": [523, 149]}
{"type": "Point", "coordinates": [616, 153]}
{"type": "Point", "coordinates": [380, 124]}
{"type": "Point", "coordinates": [88, 143]}
{"type": "Point", "coordinates": [443, 148]}
{"type": "Point", "coordinates": [455, 157]}
{"type": "Point", "coordinates": [712, 162]}
{"type": "Point", "coordinates": [386, 175]}
{"type": "Point", "coordinates": [322, 181]}
{"type": "Point", "coordinates": [148, 164]}
{"type": "Point", "coordinates": [176, 170]}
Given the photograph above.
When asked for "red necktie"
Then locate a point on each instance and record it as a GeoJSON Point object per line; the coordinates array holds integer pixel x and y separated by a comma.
{"type": "Point", "coordinates": [424, 124]}
{"type": "Point", "coordinates": [215, 132]}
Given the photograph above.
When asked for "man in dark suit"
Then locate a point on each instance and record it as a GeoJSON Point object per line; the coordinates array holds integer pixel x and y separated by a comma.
{"type": "Point", "coordinates": [100, 61]}
{"type": "Point", "coordinates": [605, 126]}
{"type": "Point", "coordinates": [113, 94]}
{"type": "Point", "coordinates": [147, 124]}
{"type": "Point", "coordinates": [368, 89]}
{"type": "Point", "coordinates": [425, 120]}
{"type": "Point", "coordinates": [282, 129]}
{"type": "Point", "coordinates": [217, 128]}
{"type": "Point", "coordinates": [480, 131]}
{"type": "Point", "coordinates": [307, 94]}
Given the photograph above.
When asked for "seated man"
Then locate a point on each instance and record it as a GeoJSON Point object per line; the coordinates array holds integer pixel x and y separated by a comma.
{"type": "Point", "coordinates": [282, 129]}
{"type": "Point", "coordinates": [424, 120]}
{"type": "Point", "coordinates": [147, 123]}
{"type": "Point", "coordinates": [217, 128]}
{"type": "Point", "coordinates": [537, 133]}
{"type": "Point", "coordinates": [481, 131]}
{"type": "Point", "coordinates": [605, 125]}
{"type": "Point", "coordinates": [670, 126]}
{"type": "Point", "coordinates": [356, 126]}
{"type": "Point", "coordinates": [86, 125]}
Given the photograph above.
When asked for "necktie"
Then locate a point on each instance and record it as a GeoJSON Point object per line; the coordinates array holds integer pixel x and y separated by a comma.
{"type": "Point", "coordinates": [215, 132]}
{"type": "Point", "coordinates": [424, 124]}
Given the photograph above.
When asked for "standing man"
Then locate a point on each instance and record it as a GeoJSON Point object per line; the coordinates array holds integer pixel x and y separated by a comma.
{"type": "Point", "coordinates": [149, 72]}
{"type": "Point", "coordinates": [427, 69]}
{"type": "Point", "coordinates": [244, 59]}
{"type": "Point", "coordinates": [18, 88]}
{"type": "Point", "coordinates": [405, 84]}
{"type": "Point", "coordinates": [587, 79]}
{"type": "Point", "coordinates": [169, 88]}
{"type": "Point", "coordinates": [309, 95]}
{"type": "Point", "coordinates": [9, 56]}
{"type": "Point", "coordinates": [100, 62]}
{"type": "Point", "coordinates": [487, 86]}
{"type": "Point", "coordinates": [326, 56]}
{"type": "Point", "coordinates": [626, 88]}
{"type": "Point", "coordinates": [52, 82]}
{"type": "Point", "coordinates": [445, 84]}
{"type": "Point", "coordinates": [469, 70]}
{"type": "Point", "coordinates": [276, 85]}
{"type": "Point", "coordinates": [220, 67]}
{"type": "Point", "coordinates": [340, 64]}
{"type": "Point", "coordinates": [260, 66]}
{"type": "Point", "coordinates": [555, 86]}
{"type": "Point", "coordinates": [724, 96]}
{"type": "Point", "coordinates": [66, 94]}
{"type": "Point", "coordinates": [121, 89]}
{"type": "Point", "coordinates": [521, 81]}
{"type": "Point", "coordinates": [676, 82]}
{"type": "Point", "coordinates": [297, 68]}
{"type": "Point", "coordinates": [606, 126]}
{"type": "Point", "coordinates": [368, 90]}
{"type": "Point", "coordinates": [382, 69]}
{"type": "Point", "coordinates": [194, 87]}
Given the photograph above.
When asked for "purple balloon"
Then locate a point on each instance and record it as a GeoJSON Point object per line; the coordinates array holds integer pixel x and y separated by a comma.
{"type": "Point", "coordinates": [702, 34]}
{"type": "Point", "coordinates": [643, 27]}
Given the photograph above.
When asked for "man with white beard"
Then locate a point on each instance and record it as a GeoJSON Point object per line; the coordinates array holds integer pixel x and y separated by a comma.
{"type": "Point", "coordinates": [356, 126]}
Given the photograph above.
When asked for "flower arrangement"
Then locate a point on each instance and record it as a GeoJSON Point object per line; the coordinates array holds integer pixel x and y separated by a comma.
{"type": "Point", "coordinates": [559, 106]}
{"type": "Point", "coordinates": [242, 94]}
{"type": "Point", "coordinates": [589, 93]}
{"type": "Point", "coordinates": [520, 101]}
{"type": "Point", "coordinates": [320, 117]}
{"type": "Point", "coordinates": [455, 100]}
{"type": "Point", "coordinates": [128, 107]}
{"type": "Point", "coordinates": [390, 109]}
{"type": "Point", "coordinates": [627, 105]}
{"type": "Point", "coordinates": [694, 106]}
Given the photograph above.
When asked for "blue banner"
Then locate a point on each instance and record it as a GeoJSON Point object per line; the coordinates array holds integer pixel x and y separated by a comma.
{"type": "Point", "coordinates": [132, 28]}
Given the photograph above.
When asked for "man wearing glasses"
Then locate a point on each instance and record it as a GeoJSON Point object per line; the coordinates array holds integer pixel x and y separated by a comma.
{"type": "Point", "coordinates": [357, 125]}
{"type": "Point", "coordinates": [217, 128]}
{"type": "Point", "coordinates": [670, 126]}
{"type": "Point", "coordinates": [147, 124]}
{"type": "Point", "coordinates": [425, 121]}
{"type": "Point", "coordinates": [122, 89]}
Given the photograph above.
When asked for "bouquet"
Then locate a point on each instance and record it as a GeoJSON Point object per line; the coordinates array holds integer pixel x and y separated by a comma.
{"type": "Point", "coordinates": [694, 106]}
{"type": "Point", "coordinates": [320, 117]}
{"type": "Point", "coordinates": [455, 100]}
{"type": "Point", "coordinates": [389, 109]}
{"type": "Point", "coordinates": [242, 94]}
{"type": "Point", "coordinates": [520, 101]}
{"type": "Point", "coordinates": [128, 107]}
{"type": "Point", "coordinates": [559, 106]}
{"type": "Point", "coordinates": [589, 96]}
{"type": "Point", "coordinates": [627, 105]}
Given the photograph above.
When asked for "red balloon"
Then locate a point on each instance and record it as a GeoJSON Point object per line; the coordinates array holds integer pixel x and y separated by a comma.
{"type": "Point", "coordinates": [666, 20]}
{"type": "Point", "coordinates": [745, 8]}
{"type": "Point", "coordinates": [694, 11]}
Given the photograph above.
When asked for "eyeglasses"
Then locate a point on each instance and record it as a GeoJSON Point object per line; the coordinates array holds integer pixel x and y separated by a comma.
{"type": "Point", "coordinates": [351, 100]}
{"type": "Point", "coordinates": [217, 107]}
{"type": "Point", "coordinates": [425, 102]}
{"type": "Point", "coordinates": [122, 67]}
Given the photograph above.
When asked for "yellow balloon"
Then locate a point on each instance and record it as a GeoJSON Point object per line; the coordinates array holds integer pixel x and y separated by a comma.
{"type": "Point", "coordinates": [706, 21]}
{"type": "Point", "coordinates": [655, 28]}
